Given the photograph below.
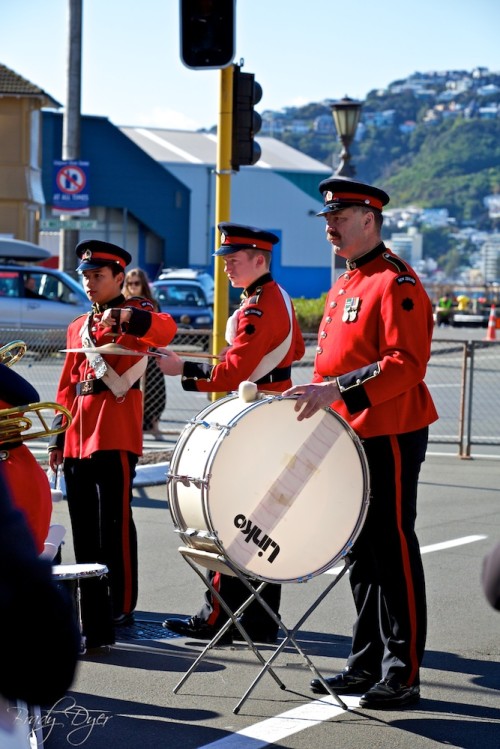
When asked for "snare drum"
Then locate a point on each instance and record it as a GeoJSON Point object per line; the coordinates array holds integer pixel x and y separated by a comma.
{"type": "Point", "coordinates": [77, 571]}
{"type": "Point", "coordinates": [282, 499]}
{"type": "Point", "coordinates": [73, 574]}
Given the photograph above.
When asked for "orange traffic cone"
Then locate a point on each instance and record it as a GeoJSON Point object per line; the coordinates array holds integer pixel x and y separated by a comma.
{"type": "Point", "coordinates": [492, 325]}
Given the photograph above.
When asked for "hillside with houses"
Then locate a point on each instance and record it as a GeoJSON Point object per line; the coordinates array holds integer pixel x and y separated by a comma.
{"type": "Point", "coordinates": [433, 141]}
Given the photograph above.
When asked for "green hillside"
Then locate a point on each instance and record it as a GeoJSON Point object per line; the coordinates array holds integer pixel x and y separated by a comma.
{"type": "Point", "coordinates": [454, 165]}
{"type": "Point", "coordinates": [431, 143]}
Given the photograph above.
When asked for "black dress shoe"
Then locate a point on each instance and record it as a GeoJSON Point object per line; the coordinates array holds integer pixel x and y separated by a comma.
{"type": "Point", "coordinates": [389, 694]}
{"type": "Point", "coordinates": [197, 629]}
{"type": "Point", "coordinates": [350, 681]}
{"type": "Point", "coordinates": [96, 651]}
{"type": "Point", "coordinates": [124, 620]}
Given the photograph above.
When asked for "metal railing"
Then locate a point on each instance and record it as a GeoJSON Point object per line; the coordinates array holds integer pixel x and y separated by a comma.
{"type": "Point", "coordinates": [463, 377]}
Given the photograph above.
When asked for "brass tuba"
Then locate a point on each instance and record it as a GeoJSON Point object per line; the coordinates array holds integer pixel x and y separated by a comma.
{"type": "Point", "coordinates": [15, 426]}
{"type": "Point", "coordinates": [12, 352]}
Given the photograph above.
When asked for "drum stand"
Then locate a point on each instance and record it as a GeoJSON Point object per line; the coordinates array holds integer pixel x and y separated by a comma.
{"type": "Point", "coordinates": [220, 563]}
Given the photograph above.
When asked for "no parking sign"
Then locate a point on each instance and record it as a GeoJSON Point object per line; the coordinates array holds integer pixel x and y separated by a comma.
{"type": "Point", "coordinates": [71, 188]}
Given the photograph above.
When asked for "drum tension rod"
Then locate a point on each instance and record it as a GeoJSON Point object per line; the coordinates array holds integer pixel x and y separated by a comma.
{"type": "Point", "coordinates": [210, 424]}
{"type": "Point", "coordinates": [196, 532]}
{"type": "Point", "coordinates": [188, 480]}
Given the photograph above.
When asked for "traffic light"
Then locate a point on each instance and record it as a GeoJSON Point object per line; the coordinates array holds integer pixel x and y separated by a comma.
{"type": "Point", "coordinates": [207, 33]}
{"type": "Point", "coordinates": [246, 93]}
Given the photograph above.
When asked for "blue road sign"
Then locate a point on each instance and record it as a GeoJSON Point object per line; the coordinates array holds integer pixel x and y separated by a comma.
{"type": "Point", "coordinates": [70, 194]}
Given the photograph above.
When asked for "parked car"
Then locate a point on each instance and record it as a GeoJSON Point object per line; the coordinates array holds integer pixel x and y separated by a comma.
{"type": "Point", "coordinates": [471, 315]}
{"type": "Point", "coordinates": [191, 274]}
{"type": "Point", "coordinates": [15, 250]}
{"type": "Point", "coordinates": [35, 297]}
{"type": "Point", "coordinates": [471, 319]}
{"type": "Point", "coordinates": [185, 300]}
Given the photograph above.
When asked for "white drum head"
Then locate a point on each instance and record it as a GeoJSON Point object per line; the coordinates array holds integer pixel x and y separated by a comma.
{"type": "Point", "coordinates": [285, 499]}
{"type": "Point", "coordinates": [75, 571]}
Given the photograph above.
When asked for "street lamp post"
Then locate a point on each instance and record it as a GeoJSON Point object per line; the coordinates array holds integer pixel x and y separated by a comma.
{"type": "Point", "coordinates": [346, 114]}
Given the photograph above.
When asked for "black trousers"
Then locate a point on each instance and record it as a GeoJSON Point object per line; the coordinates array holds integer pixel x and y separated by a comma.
{"type": "Point", "coordinates": [386, 574]}
{"type": "Point", "coordinates": [99, 491]}
{"type": "Point", "coordinates": [234, 593]}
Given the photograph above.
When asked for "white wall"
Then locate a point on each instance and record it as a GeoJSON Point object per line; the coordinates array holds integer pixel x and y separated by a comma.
{"type": "Point", "coordinates": [199, 178]}
{"type": "Point", "coordinates": [266, 199]}
{"type": "Point", "coordinates": [259, 198]}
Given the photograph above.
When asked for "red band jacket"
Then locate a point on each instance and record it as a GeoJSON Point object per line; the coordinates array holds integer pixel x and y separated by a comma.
{"type": "Point", "coordinates": [26, 481]}
{"type": "Point", "coordinates": [375, 339]}
{"type": "Point", "coordinates": [262, 324]}
{"type": "Point", "coordinates": [101, 421]}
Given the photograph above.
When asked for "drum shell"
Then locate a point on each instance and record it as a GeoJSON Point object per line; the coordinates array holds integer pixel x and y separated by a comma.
{"type": "Point", "coordinates": [283, 500]}
{"type": "Point", "coordinates": [89, 588]}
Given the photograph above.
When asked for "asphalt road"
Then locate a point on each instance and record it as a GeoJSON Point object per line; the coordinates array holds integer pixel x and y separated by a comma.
{"type": "Point", "coordinates": [125, 699]}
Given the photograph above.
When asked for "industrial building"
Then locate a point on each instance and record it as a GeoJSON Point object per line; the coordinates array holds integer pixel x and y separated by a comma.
{"type": "Point", "coordinates": [152, 191]}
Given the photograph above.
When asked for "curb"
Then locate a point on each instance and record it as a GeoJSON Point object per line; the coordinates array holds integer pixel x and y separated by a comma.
{"type": "Point", "coordinates": [153, 474]}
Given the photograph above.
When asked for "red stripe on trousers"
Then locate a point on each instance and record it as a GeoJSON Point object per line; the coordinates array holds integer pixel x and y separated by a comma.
{"type": "Point", "coordinates": [215, 602]}
{"type": "Point", "coordinates": [410, 590]}
{"type": "Point", "coordinates": [127, 571]}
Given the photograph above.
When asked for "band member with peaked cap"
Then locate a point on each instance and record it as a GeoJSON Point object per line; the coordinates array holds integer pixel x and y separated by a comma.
{"type": "Point", "coordinates": [373, 347]}
{"type": "Point", "coordinates": [102, 445]}
{"type": "Point", "coordinates": [28, 484]}
{"type": "Point", "coordinates": [264, 339]}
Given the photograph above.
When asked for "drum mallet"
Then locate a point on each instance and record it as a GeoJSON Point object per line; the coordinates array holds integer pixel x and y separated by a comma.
{"type": "Point", "coordinates": [57, 495]}
{"type": "Point", "coordinates": [247, 391]}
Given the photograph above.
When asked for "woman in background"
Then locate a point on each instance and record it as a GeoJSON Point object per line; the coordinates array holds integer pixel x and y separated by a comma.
{"type": "Point", "coordinates": [155, 393]}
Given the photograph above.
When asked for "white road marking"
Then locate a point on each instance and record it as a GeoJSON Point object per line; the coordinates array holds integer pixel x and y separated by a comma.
{"type": "Point", "coordinates": [477, 456]}
{"type": "Point", "coordinates": [281, 726]}
{"type": "Point", "coordinates": [446, 385]}
{"type": "Point", "coordinates": [426, 549]}
{"type": "Point", "coordinates": [451, 544]}
{"type": "Point", "coordinates": [276, 729]}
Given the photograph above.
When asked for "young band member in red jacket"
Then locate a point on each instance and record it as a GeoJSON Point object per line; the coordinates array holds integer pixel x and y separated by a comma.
{"type": "Point", "coordinates": [102, 445]}
{"type": "Point", "coordinates": [264, 340]}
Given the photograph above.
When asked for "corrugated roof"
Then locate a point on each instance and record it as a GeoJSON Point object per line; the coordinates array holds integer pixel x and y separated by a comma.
{"type": "Point", "coordinates": [186, 147]}
{"type": "Point", "coordinates": [13, 84]}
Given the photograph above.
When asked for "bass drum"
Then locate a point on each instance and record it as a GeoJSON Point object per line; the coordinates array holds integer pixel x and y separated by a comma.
{"type": "Point", "coordinates": [281, 499]}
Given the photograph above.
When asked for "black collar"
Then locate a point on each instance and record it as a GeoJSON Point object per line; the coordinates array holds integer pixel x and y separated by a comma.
{"type": "Point", "coordinates": [366, 258]}
{"type": "Point", "coordinates": [116, 302]}
{"type": "Point", "coordinates": [266, 278]}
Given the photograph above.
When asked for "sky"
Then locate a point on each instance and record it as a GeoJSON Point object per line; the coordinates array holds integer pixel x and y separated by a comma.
{"type": "Point", "coordinates": [300, 51]}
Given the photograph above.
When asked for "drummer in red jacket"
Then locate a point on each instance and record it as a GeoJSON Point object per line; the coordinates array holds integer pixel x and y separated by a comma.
{"type": "Point", "coordinates": [264, 340]}
{"type": "Point", "coordinates": [102, 445]}
{"type": "Point", "coordinates": [373, 347]}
